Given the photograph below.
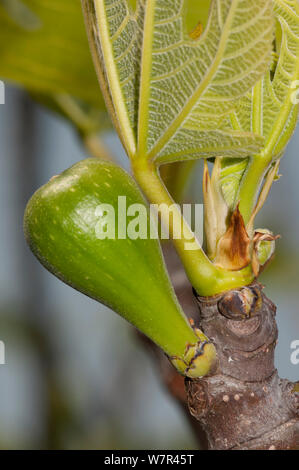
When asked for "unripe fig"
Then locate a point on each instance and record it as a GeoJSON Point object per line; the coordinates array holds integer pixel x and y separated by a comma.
{"type": "Point", "coordinates": [71, 233]}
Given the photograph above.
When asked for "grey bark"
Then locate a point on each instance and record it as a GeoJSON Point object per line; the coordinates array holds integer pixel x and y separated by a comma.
{"type": "Point", "coordinates": [244, 404]}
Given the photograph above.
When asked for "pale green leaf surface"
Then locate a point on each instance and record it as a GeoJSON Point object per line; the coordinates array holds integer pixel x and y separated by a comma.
{"type": "Point", "coordinates": [115, 38]}
{"type": "Point", "coordinates": [188, 87]}
{"type": "Point", "coordinates": [271, 101]}
{"type": "Point", "coordinates": [268, 109]}
{"type": "Point", "coordinates": [195, 12]}
{"type": "Point", "coordinates": [231, 176]}
{"type": "Point", "coordinates": [280, 113]}
{"type": "Point", "coordinates": [170, 96]}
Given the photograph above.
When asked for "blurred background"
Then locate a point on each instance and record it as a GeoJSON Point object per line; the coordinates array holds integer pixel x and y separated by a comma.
{"type": "Point", "coordinates": [75, 375]}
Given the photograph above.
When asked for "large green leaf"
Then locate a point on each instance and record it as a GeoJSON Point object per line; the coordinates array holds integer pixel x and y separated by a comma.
{"type": "Point", "coordinates": [270, 109]}
{"type": "Point", "coordinates": [195, 12]}
{"type": "Point", "coordinates": [172, 95]}
{"type": "Point", "coordinates": [193, 85]}
{"type": "Point", "coordinates": [232, 171]}
{"type": "Point", "coordinates": [116, 46]}
{"type": "Point", "coordinates": [43, 47]}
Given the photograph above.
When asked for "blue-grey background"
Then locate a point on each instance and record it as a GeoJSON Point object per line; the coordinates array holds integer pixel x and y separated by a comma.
{"type": "Point", "coordinates": [75, 376]}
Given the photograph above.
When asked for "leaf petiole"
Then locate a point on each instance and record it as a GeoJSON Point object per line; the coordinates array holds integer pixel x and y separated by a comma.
{"type": "Point", "coordinates": [206, 278]}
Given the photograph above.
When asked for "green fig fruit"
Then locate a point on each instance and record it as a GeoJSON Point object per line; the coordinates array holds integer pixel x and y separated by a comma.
{"type": "Point", "coordinates": [73, 226]}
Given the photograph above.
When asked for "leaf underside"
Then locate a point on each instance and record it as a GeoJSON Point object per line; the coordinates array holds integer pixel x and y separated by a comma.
{"type": "Point", "coordinates": [171, 96]}
{"type": "Point", "coordinates": [268, 109]}
{"type": "Point", "coordinates": [274, 94]}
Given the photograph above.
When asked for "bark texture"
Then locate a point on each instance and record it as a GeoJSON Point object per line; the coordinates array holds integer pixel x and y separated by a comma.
{"type": "Point", "coordinates": [244, 404]}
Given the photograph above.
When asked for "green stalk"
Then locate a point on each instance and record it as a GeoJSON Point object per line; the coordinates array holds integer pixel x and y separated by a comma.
{"type": "Point", "coordinates": [281, 133]}
{"type": "Point", "coordinates": [251, 184]}
{"type": "Point", "coordinates": [204, 276]}
{"type": "Point", "coordinates": [257, 166]}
